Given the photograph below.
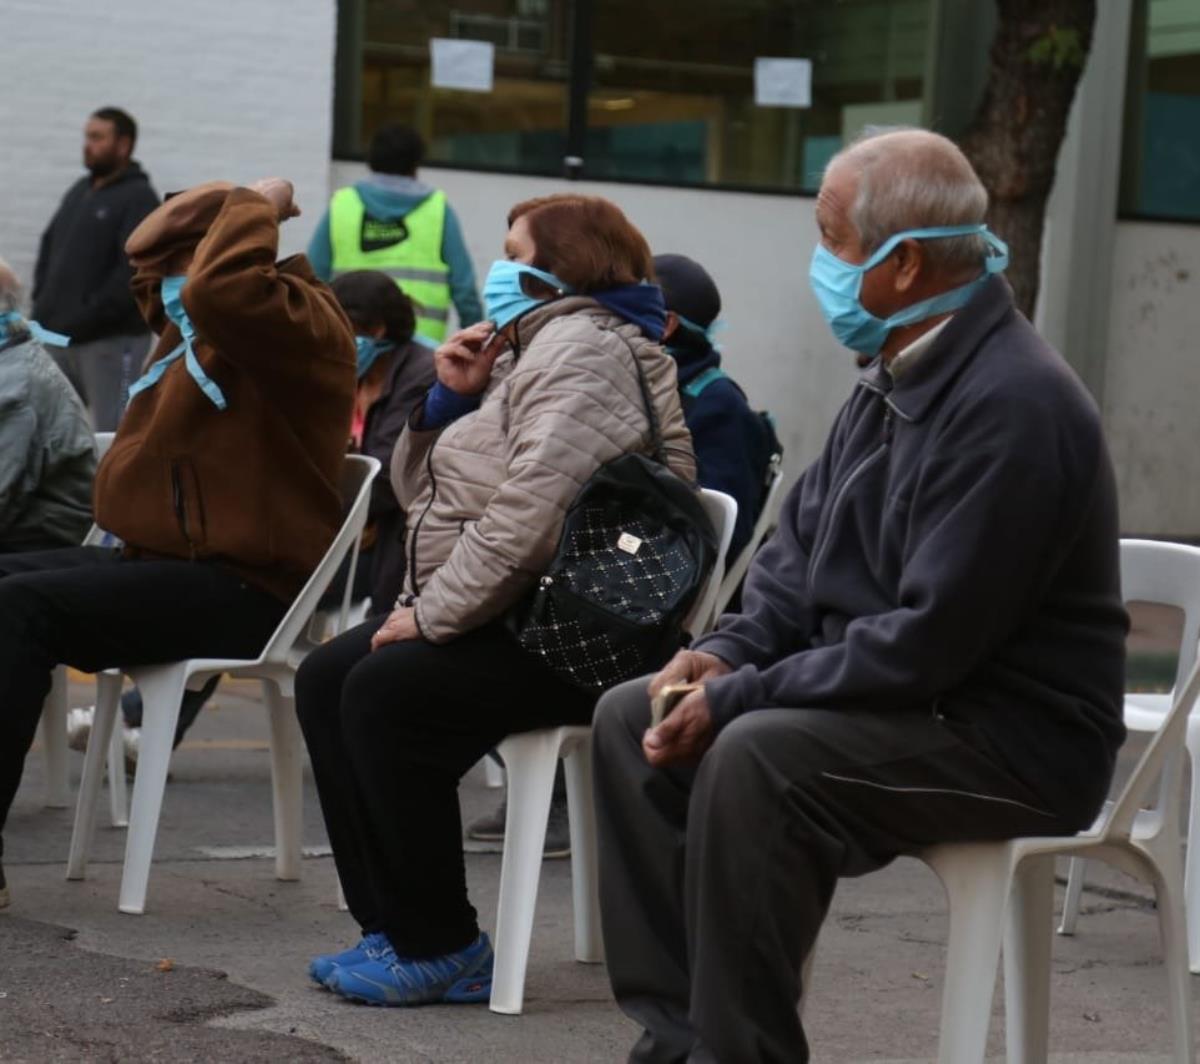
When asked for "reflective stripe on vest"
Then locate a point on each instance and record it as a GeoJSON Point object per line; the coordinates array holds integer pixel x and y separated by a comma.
{"type": "Point", "coordinates": [415, 261]}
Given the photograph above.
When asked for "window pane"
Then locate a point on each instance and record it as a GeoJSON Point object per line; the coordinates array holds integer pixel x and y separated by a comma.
{"type": "Point", "coordinates": [519, 125]}
{"type": "Point", "coordinates": [675, 100]}
{"type": "Point", "coordinates": [1162, 142]}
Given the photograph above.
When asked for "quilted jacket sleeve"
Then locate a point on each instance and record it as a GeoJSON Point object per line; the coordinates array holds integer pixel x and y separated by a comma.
{"type": "Point", "coordinates": [569, 410]}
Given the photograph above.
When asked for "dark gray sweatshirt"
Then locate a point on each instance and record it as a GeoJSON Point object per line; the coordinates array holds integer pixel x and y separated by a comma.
{"type": "Point", "coordinates": [955, 546]}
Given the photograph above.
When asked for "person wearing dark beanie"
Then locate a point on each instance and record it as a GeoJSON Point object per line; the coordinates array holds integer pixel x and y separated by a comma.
{"type": "Point", "coordinates": [733, 443]}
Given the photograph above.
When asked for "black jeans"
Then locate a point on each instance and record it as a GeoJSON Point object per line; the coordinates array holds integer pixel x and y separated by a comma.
{"type": "Point", "coordinates": [89, 608]}
{"type": "Point", "coordinates": [715, 878]}
{"type": "Point", "coordinates": [194, 701]}
{"type": "Point", "coordinates": [390, 733]}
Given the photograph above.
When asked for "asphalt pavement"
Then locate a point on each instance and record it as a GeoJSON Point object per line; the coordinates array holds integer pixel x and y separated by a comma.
{"type": "Point", "coordinates": [216, 968]}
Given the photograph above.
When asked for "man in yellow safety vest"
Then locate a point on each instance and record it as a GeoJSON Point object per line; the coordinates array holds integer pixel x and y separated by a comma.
{"type": "Point", "coordinates": [395, 223]}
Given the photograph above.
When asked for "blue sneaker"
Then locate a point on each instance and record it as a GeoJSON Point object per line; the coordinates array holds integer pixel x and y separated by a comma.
{"type": "Point", "coordinates": [464, 977]}
{"type": "Point", "coordinates": [369, 948]}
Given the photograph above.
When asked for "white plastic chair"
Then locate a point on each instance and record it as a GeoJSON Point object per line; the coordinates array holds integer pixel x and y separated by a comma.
{"type": "Point", "coordinates": [766, 521]}
{"type": "Point", "coordinates": [54, 709]}
{"type": "Point", "coordinates": [980, 877]}
{"type": "Point", "coordinates": [531, 759]}
{"type": "Point", "coordinates": [1168, 574]}
{"type": "Point", "coordinates": [162, 688]}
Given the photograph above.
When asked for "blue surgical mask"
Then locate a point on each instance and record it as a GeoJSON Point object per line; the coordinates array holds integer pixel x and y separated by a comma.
{"type": "Point", "coordinates": [709, 332]}
{"type": "Point", "coordinates": [12, 322]}
{"type": "Point", "coordinates": [172, 301]}
{"type": "Point", "coordinates": [504, 299]}
{"type": "Point", "coordinates": [837, 285]}
{"type": "Point", "coordinates": [369, 350]}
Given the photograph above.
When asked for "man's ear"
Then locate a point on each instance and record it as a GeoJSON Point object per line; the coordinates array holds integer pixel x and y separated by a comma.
{"type": "Point", "coordinates": [910, 260]}
{"type": "Point", "coordinates": [672, 326]}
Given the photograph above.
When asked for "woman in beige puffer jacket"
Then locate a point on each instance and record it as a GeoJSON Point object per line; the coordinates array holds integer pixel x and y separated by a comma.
{"type": "Point", "coordinates": [394, 712]}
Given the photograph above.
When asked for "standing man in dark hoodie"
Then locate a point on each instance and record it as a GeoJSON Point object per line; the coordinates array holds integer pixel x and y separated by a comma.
{"type": "Point", "coordinates": [81, 282]}
{"type": "Point", "coordinates": [224, 478]}
{"type": "Point", "coordinates": [930, 647]}
{"type": "Point", "coordinates": [395, 223]}
{"type": "Point", "coordinates": [734, 444]}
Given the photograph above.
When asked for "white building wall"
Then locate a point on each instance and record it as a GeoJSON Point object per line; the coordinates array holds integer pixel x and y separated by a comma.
{"type": "Point", "coordinates": [1152, 388]}
{"type": "Point", "coordinates": [756, 247]}
{"type": "Point", "coordinates": [220, 89]}
{"type": "Point", "coordinates": [241, 91]}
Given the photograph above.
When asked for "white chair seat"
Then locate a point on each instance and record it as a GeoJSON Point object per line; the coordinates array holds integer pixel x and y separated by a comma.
{"type": "Point", "coordinates": [1001, 898]}
{"type": "Point", "coordinates": [1167, 574]}
{"type": "Point", "coordinates": [162, 688]}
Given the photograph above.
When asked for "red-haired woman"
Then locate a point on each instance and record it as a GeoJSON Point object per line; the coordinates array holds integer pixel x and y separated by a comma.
{"type": "Point", "coordinates": [526, 407]}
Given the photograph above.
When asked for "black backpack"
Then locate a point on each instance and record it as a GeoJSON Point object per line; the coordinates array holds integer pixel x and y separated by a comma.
{"type": "Point", "coordinates": [635, 549]}
{"type": "Point", "coordinates": [766, 452]}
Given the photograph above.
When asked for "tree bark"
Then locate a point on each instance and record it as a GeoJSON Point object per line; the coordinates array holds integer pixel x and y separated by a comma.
{"type": "Point", "coordinates": [1036, 61]}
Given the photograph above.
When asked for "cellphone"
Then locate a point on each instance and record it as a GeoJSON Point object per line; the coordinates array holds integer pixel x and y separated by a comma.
{"type": "Point", "coordinates": [668, 698]}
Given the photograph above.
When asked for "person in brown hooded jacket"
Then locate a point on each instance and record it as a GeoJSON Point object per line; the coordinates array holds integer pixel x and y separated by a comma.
{"type": "Point", "coordinates": [223, 479]}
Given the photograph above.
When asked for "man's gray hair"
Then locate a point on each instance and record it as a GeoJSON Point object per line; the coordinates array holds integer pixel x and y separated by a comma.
{"type": "Point", "coordinates": [915, 179]}
{"type": "Point", "coordinates": [10, 289]}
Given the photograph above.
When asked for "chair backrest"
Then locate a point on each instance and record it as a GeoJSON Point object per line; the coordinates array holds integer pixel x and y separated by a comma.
{"type": "Point", "coordinates": [722, 512]}
{"type": "Point", "coordinates": [95, 536]}
{"type": "Point", "coordinates": [1169, 574]}
{"type": "Point", "coordinates": [766, 521]}
{"type": "Point", "coordinates": [358, 470]}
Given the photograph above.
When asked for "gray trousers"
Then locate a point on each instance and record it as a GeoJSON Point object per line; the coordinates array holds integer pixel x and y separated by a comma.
{"type": "Point", "coordinates": [715, 879]}
{"type": "Point", "coordinates": [101, 371]}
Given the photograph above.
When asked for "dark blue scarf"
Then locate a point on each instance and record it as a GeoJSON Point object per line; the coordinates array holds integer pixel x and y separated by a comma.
{"type": "Point", "coordinates": [639, 304]}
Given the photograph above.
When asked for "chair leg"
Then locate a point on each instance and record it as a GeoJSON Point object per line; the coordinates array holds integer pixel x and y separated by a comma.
{"type": "Point", "coordinates": [162, 689]}
{"type": "Point", "coordinates": [1076, 870]}
{"type": "Point", "coordinates": [1191, 879]}
{"type": "Point", "coordinates": [1172, 926]}
{"type": "Point", "coordinates": [493, 772]}
{"type": "Point", "coordinates": [89, 786]}
{"type": "Point", "coordinates": [585, 876]}
{"type": "Point", "coordinates": [108, 693]}
{"type": "Point", "coordinates": [1027, 961]}
{"type": "Point", "coordinates": [977, 880]}
{"type": "Point", "coordinates": [54, 740]}
{"type": "Point", "coordinates": [287, 780]}
{"type": "Point", "coordinates": [531, 759]}
{"type": "Point", "coordinates": [806, 976]}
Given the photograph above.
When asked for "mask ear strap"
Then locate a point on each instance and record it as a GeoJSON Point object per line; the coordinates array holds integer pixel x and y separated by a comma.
{"type": "Point", "coordinates": [998, 261]}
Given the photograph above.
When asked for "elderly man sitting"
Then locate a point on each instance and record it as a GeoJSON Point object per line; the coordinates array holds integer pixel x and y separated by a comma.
{"type": "Point", "coordinates": [930, 648]}
{"type": "Point", "coordinates": [47, 453]}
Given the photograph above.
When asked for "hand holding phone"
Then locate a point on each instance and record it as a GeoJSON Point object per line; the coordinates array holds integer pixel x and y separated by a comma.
{"type": "Point", "coordinates": [668, 698]}
{"type": "Point", "coordinates": [464, 361]}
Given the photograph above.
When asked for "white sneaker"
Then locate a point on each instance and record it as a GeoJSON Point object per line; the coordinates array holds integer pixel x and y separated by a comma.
{"type": "Point", "coordinates": [79, 727]}
{"type": "Point", "coordinates": [79, 731]}
{"type": "Point", "coordinates": [131, 738]}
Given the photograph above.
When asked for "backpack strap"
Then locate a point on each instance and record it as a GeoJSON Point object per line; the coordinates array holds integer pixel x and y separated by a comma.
{"type": "Point", "coordinates": [697, 384]}
{"type": "Point", "coordinates": [656, 440]}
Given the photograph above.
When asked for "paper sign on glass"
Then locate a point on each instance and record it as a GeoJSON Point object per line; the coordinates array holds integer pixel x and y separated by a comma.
{"type": "Point", "coordinates": [466, 65]}
{"type": "Point", "coordinates": [783, 82]}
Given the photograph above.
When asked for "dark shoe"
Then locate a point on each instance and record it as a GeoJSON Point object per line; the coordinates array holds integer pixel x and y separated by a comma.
{"type": "Point", "coordinates": [490, 828]}
{"type": "Point", "coordinates": [4, 895]}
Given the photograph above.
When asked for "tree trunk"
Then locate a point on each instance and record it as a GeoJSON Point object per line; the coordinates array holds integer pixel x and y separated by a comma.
{"type": "Point", "coordinates": [1036, 61]}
